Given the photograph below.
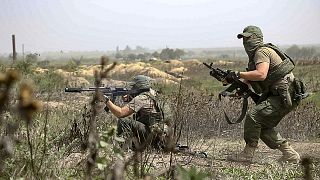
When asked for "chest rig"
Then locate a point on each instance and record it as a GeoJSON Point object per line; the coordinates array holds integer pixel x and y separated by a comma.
{"type": "Point", "coordinates": [149, 117]}
{"type": "Point", "coordinates": [277, 75]}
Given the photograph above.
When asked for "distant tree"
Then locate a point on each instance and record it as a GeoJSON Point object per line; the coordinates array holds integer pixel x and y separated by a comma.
{"type": "Point", "coordinates": [142, 56]}
{"type": "Point", "coordinates": [140, 48]}
{"type": "Point", "coordinates": [147, 54]}
{"type": "Point", "coordinates": [178, 53]}
{"type": "Point", "coordinates": [301, 53]}
{"type": "Point", "coordinates": [155, 54]}
{"type": "Point", "coordinates": [166, 54]}
{"type": "Point", "coordinates": [127, 49]}
{"type": "Point", "coordinates": [224, 56]}
{"type": "Point", "coordinates": [293, 51]}
{"type": "Point", "coordinates": [131, 57]}
{"type": "Point", "coordinates": [32, 58]}
{"type": "Point", "coordinates": [190, 53]}
{"type": "Point", "coordinates": [77, 61]}
{"type": "Point", "coordinates": [118, 55]}
{"type": "Point", "coordinates": [72, 65]}
{"type": "Point", "coordinates": [308, 53]}
{"type": "Point", "coordinates": [44, 63]}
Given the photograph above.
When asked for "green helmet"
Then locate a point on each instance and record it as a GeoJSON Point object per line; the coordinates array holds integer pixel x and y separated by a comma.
{"type": "Point", "coordinates": [141, 82]}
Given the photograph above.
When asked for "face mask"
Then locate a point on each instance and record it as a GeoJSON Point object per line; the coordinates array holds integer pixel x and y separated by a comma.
{"type": "Point", "coordinates": [251, 45]}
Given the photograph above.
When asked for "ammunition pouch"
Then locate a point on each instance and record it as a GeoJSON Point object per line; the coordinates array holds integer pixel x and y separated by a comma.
{"type": "Point", "coordinates": [290, 91]}
{"type": "Point", "coordinates": [300, 90]}
{"type": "Point", "coordinates": [285, 92]}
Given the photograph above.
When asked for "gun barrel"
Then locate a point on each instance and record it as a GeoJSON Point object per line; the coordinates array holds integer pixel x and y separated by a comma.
{"type": "Point", "coordinates": [208, 66]}
{"type": "Point", "coordinates": [79, 90]}
{"type": "Point", "coordinates": [72, 89]}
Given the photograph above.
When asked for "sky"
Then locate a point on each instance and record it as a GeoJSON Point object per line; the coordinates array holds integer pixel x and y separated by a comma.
{"type": "Point", "coordinates": [89, 25]}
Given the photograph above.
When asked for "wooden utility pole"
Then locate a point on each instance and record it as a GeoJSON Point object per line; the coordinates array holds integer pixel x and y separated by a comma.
{"type": "Point", "coordinates": [14, 54]}
{"type": "Point", "coordinates": [23, 52]}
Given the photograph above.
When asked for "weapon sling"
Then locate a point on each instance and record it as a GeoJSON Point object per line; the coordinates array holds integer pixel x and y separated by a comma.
{"type": "Point", "coordinates": [227, 92]}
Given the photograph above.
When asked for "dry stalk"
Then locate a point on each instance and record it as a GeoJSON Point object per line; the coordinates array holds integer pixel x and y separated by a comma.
{"type": "Point", "coordinates": [45, 131]}
{"type": "Point", "coordinates": [27, 107]}
{"type": "Point", "coordinates": [93, 135]}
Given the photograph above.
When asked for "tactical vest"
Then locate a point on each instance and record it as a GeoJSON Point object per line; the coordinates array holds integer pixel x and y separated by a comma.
{"type": "Point", "coordinates": [152, 117]}
{"type": "Point", "coordinates": [275, 74]}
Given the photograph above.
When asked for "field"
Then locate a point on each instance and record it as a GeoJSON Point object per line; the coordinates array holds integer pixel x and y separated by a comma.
{"type": "Point", "coordinates": [47, 133]}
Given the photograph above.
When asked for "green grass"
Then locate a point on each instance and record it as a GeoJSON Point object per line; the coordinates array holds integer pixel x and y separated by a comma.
{"type": "Point", "coordinates": [274, 172]}
{"type": "Point", "coordinates": [314, 97]}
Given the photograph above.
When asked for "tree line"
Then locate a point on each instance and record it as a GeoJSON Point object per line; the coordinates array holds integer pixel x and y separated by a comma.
{"type": "Point", "coordinates": [303, 53]}
{"type": "Point", "coordinates": [164, 54]}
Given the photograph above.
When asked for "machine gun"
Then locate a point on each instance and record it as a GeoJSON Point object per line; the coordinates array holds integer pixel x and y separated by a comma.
{"type": "Point", "coordinates": [108, 91]}
{"type": "Point", "coordinates": [239, 88]}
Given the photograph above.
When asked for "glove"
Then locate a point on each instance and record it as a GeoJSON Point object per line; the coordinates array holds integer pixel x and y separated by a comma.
{"type": "Point", "coordinates": [211, 73]}
{"type": "Point", "coordinates": [106, 109]}
{"type": "Point", "coordinates": [232, 76]}
{"type": "Point", "coordinates": [106, 98]}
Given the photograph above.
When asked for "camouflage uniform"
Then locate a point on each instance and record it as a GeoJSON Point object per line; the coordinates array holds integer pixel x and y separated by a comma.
{"type": "Point", "coordinates": [277, 99]}
{"type": "Point", "coordinates": [143, 118]}
{"type": "Point", "coordinates": [266, 115]}
{"type": "Point", "coordinates": [146, 111]}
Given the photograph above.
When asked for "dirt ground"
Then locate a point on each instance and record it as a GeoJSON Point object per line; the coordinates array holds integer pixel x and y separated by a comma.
{"type": "Point", "coordinates": [218, 150]}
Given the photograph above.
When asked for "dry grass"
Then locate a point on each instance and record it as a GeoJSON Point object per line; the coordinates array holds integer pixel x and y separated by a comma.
{"type": "Point", "coordinates": [59, 133]}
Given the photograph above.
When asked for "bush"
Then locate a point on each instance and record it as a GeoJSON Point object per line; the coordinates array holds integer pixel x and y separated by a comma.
{"type": "Point", "coordinates": [72, 65]}
{"type": "Point", "coordinates": [48, 82]}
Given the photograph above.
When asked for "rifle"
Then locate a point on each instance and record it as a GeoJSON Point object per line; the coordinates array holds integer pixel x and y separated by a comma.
{"type": "Point", "coordinates": [187, 150]}
{"type": "Point", "coordinates": [241, 89]}
{"type": "Point", "coordinates": [108, 91]}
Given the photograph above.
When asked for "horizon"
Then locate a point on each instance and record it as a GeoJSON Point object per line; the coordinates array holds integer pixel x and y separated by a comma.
{"type": "Point", "coordinates": [149, 49]}
{"type": "Point", "coordinates": [86, 26]}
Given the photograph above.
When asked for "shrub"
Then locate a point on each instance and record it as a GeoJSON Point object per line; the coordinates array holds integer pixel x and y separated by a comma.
{"type": "Point", "coordinates": [48, 82]}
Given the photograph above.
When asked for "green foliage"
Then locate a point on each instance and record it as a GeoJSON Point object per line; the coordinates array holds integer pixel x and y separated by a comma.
{"type": "Point", "coordinates": [131, 56]}
{"type": "Point", "coordinates": [72, 65]}
{"type": "Point", "coordinates": [48, 82]}
{"type": "Point", "coordinates": [156, 54]}
{"type": "Point", "coordinates": [2, 67]}
{"type": "Point", "coordinates": [302, 53]}
{"type": "Point", "coordinates": [315, 97]}
{"type": "Point", "coordinates": [168, 53]}
{"type": "Point", "coordinates": [32, 58]}
{"type": "Point", "coordinates": [273, 172]}
{"type": "Point", "coordinates": [108, 148]}
{"type": "Point", "coordinates": [191, 173]}
{"type": "Point", "coordinates": [25, 67]}
{"type": "Point", "coordinates": [43, 64]}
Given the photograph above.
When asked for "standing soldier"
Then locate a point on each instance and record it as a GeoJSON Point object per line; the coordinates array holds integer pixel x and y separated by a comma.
{"type": "Point", "coordinates": [270, 74]}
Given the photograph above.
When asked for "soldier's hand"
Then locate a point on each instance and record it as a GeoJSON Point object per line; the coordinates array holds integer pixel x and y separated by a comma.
{"type": "Point", "coordinates": [232, 76]}
{"type": "Point", "coordinates": [125, 98]}
{"type": "Point", "coordinates": [106, 98]}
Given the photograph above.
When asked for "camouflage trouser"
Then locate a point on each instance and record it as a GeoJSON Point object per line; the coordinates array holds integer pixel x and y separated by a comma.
{"type": "Point", "coordinates": [132, 128]}
{"type": "Point", "coordinates": [262, 119]}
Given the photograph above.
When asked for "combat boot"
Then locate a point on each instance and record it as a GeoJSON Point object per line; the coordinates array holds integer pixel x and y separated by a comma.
{"type": "Point", "coordinates": [245, 156]}
{"type": "Point", "coordinates": [288, 153]}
